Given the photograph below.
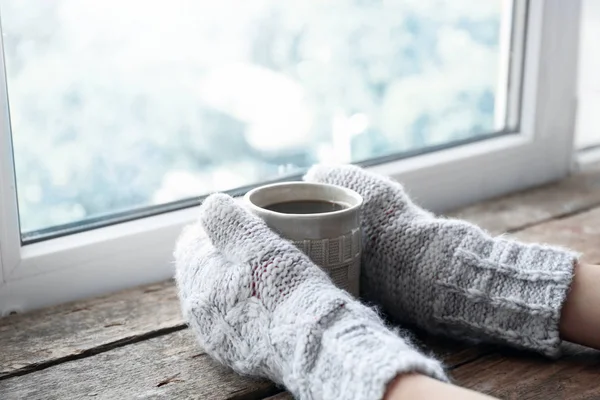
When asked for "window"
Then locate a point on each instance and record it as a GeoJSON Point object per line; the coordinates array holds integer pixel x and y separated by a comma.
{"type": "Point", "coordinates": [588, 120]}
{"type": "Point", "coordinates": [174, 100]}
{"type": "Point", "coordinates": [118, 116]}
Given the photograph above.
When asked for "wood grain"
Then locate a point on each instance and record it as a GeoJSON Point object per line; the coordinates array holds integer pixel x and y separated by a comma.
{"type": "Point", "coordinates": [45, 337]}
{"type": "Point", "coordinates": [580, 232]}
{"type": "Point", "coordinates": [519, 210]}
{"type": "Point", "coordinates": [519, 375]}
{"type": "Point", "coordinates": [166, 367]}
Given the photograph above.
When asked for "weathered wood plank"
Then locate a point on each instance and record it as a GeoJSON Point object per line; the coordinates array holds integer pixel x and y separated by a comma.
{"type": "Point", "coordinates": [514, 375]}
{"type": "Point", "coordinates": [166, 367]}
{"type": "Point", "coordinates": [580, 232]}
{"type": "Point", "coordinates": [515, 211]}
{"type": "Point", "coordinates": [69, 331]}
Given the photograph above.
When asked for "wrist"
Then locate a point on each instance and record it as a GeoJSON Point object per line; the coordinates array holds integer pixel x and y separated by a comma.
{"type": "Point", "coordinates": [580, 317]}
{"type": "Point", "coordinates": [421, 387]}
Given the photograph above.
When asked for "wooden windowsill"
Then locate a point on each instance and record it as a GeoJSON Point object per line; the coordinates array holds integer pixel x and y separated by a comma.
{"type": "Point", "coordinates": [134, 344]}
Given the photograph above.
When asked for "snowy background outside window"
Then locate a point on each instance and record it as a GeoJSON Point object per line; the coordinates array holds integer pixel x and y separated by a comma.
{"type": "Point", "coordinates": [122, 104]}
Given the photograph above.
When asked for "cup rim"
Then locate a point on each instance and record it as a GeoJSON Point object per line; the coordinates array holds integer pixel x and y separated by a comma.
{"type": "Point", "coordinates": [349, 192]}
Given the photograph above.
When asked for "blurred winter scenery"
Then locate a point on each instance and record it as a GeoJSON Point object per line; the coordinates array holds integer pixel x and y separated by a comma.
{"type": "Point", "coordinates": [122, 104]}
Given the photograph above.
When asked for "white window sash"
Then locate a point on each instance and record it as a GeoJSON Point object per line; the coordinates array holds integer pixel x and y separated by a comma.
{"type": "Point", "coordinates": [138, 252]}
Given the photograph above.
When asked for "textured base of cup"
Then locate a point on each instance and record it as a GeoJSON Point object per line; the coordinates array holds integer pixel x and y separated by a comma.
{"type": "Point", "coordinates": [339, 257]}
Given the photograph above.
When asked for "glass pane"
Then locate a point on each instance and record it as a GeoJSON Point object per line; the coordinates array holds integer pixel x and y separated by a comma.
{"type": "Point", "coordinates": [117, 105]}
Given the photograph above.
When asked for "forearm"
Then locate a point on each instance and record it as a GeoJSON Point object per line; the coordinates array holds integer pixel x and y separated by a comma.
{"type": "Point", "coordinates": [421, 387]}
{"type": "Point", "coordinates": [580, 316]}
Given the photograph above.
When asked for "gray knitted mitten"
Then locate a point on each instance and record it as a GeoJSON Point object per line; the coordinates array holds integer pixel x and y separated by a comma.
{"type": "Point", "coordinates": [449, 276]}
{"type": "Point", "coordinates": [260, 306]}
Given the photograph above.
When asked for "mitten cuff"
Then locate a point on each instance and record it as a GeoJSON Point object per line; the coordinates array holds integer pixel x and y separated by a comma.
{"type": "Point", "coordinates": [505, 291]}
{"type": "Point", "coordinates": [354, 356]}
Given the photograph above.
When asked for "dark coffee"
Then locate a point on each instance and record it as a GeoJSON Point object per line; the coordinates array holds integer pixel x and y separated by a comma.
{"type": "Point", "coordinates": [305, 207]}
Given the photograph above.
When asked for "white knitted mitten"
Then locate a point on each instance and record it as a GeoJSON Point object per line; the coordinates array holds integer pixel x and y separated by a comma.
{"type": "Point", "coordinates": [449, 276]}
{"type": "Point", "coordinates": [260, 306]}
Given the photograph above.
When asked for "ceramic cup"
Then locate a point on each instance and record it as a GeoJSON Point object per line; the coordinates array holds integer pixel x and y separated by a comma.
{"type": "Point", "coordinates": [331, 239]}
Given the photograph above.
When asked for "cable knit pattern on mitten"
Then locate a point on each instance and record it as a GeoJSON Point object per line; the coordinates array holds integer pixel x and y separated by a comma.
{"type": "Point", "coordinates": [449, 276]}
{"type": "Point", "coordinates": [260, 306]}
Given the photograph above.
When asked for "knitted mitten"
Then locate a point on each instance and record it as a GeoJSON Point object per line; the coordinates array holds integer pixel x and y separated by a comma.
{"type": "Point", "coordinates": [260, 306]}
{"type": "Point", "coordinates": [449, 276]}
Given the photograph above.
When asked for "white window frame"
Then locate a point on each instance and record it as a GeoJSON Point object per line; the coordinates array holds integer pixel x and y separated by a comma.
{"type": "Point", "coordinates": [137, 252]}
